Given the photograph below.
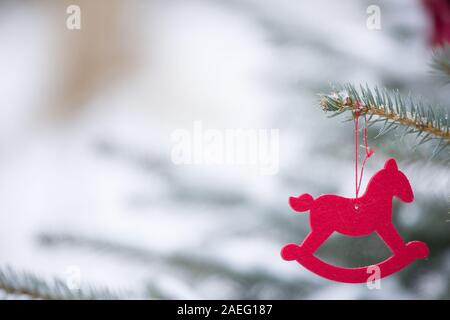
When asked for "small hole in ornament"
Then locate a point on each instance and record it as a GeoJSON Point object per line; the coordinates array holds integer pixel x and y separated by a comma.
{"type": "Point", "coordinates": [356, 206]}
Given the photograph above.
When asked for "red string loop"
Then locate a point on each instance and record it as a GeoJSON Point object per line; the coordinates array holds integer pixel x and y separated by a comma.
{"type": "Point", "coordinates": [369, 152]}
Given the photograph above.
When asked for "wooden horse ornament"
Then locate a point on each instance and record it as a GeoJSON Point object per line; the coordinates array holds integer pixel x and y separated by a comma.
{"type": "Point", "coordinates": [372, 212]}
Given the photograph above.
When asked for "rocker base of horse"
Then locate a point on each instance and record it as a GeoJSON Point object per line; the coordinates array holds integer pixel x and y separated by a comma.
{"type": "Point", "coordinates": [413, 250]}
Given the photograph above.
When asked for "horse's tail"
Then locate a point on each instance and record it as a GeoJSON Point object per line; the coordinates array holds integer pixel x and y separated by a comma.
{"type": "Point", "coordinates": [301, 203]}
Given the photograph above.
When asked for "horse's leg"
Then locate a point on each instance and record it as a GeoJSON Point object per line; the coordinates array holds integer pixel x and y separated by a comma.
{"type": "Point", "coordinates": [314, 239]}
{"type": "Point", "coordinates": [392, 238]}
{"type": "Point", "coordinates": [310, 245]}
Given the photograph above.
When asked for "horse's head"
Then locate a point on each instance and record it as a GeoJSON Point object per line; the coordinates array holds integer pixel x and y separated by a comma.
{"type": "Point", "coordinates": [398, 182]}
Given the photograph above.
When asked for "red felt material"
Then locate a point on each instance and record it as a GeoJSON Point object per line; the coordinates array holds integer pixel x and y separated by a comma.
{"type": "Point", "coordinates": [371, 212]}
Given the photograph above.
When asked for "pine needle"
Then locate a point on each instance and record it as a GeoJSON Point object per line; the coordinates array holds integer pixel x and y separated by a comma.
{"type": "Point", "coordinates": [392, 108]}
{"type": "Point", "coordinates": [29, 285]}
{"type": "Point", "coordinates": [440, 63]}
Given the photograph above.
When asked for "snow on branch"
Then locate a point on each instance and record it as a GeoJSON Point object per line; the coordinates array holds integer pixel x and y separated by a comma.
{"type": "Point", "coordinates": [31, 287]}
{"type": "Point", "coordinates": [394, 111]}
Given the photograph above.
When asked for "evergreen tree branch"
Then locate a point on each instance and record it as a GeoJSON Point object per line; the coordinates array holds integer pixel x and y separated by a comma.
{"type": "Point", "coordinates": [29, 285]}
{"type": "Point", "coordinates": [251, 283]}
{"type": "Point", "coordinates": [441, 63]}
{"type": "Point", "coordinates": [394, 111]}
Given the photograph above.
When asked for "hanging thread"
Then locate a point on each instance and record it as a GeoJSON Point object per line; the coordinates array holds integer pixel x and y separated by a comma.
{"type": "Point", "coordinates": [369, 152]}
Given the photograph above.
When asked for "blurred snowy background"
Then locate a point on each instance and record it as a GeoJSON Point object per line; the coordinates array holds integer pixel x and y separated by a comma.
{"type": "Point", "coordinates": [86, 177]}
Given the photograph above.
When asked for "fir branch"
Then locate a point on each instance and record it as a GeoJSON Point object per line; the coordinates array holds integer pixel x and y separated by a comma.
{"type": "Point", "coordinates": [440, 63]}
{"type": "Point", "coordinates": [30, 286]}
{"type": "Point", "coordinates": [251, 282]}
{"type": "Point", "coordinates": [393, 110]}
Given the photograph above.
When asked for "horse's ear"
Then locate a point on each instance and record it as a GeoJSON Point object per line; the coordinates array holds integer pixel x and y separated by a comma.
{"type": "Point", "coordinates": [391, 164]}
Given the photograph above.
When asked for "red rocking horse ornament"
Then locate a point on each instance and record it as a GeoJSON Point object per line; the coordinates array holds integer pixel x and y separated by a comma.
{"type": "Point", "coordinates": [360, 216]}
